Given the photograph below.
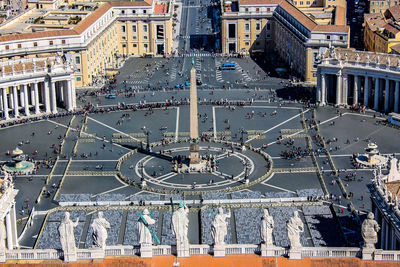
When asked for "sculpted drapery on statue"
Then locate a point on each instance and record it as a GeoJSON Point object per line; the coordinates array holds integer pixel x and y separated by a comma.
{"type": "Point", "coordinates": [267, 226]}
{"type": "Point", "coordinates": [100, 226]}
{"type": "Point", "coordinates": [369, 231]}
{"type": "Point", "coordinates": [66, 231]}
{"type": "Point", "coordinates": [219, 227]}
{"type": "Point", "coordinates": [3, 236]}
{"type": "Point", "coordinates": [294, 227]}
{"type": "Point", "coordinates": [180, 226]}
{"type": "Point", "coordinates": [144, 235]}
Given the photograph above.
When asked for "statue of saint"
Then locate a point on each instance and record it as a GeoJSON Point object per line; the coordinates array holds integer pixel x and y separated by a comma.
{"type": "Point", "coordinates": [295, 226]}
{"type": "Point", "coordinates": [100, 226]}
{"type": "Point", "coordinates": [144, 235]}
{"type": "Point", "coordinates": [180, 226]}
{"type": "Point", "coordinates": [219, 227]}
{"type": "Point", "coordinates": [67, 237]}
{"type": "Point", "coordinates": [369, 231]}
{"type": "Point", "coordinates": [267, 226]}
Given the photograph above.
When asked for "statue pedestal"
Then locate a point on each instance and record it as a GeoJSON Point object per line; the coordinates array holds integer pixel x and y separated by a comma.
{"type": "Point", "coordinates": [370, 254]}
{"type": "Point", "coordinates": [219, 251]}
{"type": "Point", "coordinates": [70, 257]}
{"type": "Point", "coordinates": [182, 252]}
{"type": "Point", "coordinates": [146, 251]}
{"type": "Point", "coordinates": [98, 253]}
{"type": "Point", "coordinates": [3, 256]}
{"type": "Point", "coordinates": [265, 252]}
{"type": "Point", "coordinates": [295, 254]}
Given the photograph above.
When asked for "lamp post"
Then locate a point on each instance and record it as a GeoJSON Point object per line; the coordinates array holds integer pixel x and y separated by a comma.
{"type": "Point", "coordinates": [147, 133]}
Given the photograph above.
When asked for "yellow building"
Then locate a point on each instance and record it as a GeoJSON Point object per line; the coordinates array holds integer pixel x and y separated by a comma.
{"type": "Point", "coordinates": [382, 30]}
{"type": "Point", "coordinates": [93, 36]}
{"type": "Point", "coordinates": [251, 26]}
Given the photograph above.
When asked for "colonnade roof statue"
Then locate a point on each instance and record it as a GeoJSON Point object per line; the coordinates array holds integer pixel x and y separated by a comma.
{"type": "Point", "coordinates": [369, 231]}
{"type": "Point", "coordinates": [100, 226]}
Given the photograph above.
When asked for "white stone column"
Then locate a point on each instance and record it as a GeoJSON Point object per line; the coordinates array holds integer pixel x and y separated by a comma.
{"type": "Point", "coordinates": [345, 88]}
{"type": "Point", "coordinates": [26, 102]}
{"type": "Point", "coordinates": [366, 91]}
{"type": "Point", "coordinates": [9, 232]}
{"type": "Point", "coordinates": [14, 232]}
{"type": "Point", "coordinates": [21, 96]}
{"type": "Point", "coordinates": [355, 91]}
{"type": "Point", "coordinates": [46, 97]}
{"type": "Point", "coordinates": [387, 93]}
{"type": "Point", "coordinates": [339, 89]}
{"type": "Point", "coordinates": [36, 92]}
{"type": "Point", "coordinates": [1, 102]}
{"type": "Point", "coordinates": [73, 94]}
{"type": "Point", "coordinates": [69, 96]}
{"type": "Point", "coordinates": [15, 96]}
{"type": "Point", "coordinates": [61, 90]}
{"type": "Point", "coordinates": [5, 104]}
{"type": "Point", "coordinates": [32, 92]}
{"type": "Point", "coordinates": [376, 98]}
{"type": "Point", "coordinates": [53, 97]}
{"type": "Point", "coordinates": [396, 97]}
{"type": "Point", "coordinates": [323, 86]}
{"type": "Point", "coordinates": [319, 88]}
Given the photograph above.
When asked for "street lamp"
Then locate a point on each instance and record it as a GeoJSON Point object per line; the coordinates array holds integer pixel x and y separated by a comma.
{"type": "Point", "coordinates": [242, 132]}
{"type": "Point", "coordinates": [147, 133]}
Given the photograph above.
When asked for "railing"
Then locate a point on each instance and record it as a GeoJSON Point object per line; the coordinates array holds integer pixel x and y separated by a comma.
{"type": "Point", "coordinates": [326, 252]}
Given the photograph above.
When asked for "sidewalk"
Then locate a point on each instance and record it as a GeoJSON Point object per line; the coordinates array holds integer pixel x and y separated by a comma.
{"type": "Point", "coordinates": [176, 33]}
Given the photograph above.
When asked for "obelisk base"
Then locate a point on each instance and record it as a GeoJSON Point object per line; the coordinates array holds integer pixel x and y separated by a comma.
{"type": "Point", "coordinates": [194, 154]}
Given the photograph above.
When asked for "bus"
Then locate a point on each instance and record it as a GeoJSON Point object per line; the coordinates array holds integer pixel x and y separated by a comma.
{"type": "Point", "coordinates": [394, 118]}
{"type": "Point", "coordinates": [228, 66]}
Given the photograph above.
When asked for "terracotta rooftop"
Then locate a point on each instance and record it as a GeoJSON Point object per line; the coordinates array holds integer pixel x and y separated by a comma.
{"type": "Point", "coordinates": [395, 12]}
{"type": "Point", "coordinates": [340, 13]}
{"type": "Point", "coordinates": [374, 21]}
{"type": "Point", "coordinates": [81, 27]}
{"type": "Point", "coordinates": [395, 49]}
{"type": "Point", "coordinates": [160, 8]}
{"type": "Point", "coordinates": [209, 261]}
{"type": "Point", "coordinates": [391, 29]}
{"type": "Point", "coordinates": [394, 187]}
{"type": "Point", "coordinates": [259, 2]}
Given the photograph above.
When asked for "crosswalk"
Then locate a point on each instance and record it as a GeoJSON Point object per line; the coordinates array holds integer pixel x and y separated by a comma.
{"type": "Point", "coordinates": [172, 75]}
{"type": "Point", "coordinates": [135, 82]}
{"type": "Point", "coordinates": [246, 77]}
{"type": "Point", "coordinates": [218, 73]}
{"type": "Point", "coordinates": [197, 54]}
{"type": "Point", "coordinates": [198, 68]}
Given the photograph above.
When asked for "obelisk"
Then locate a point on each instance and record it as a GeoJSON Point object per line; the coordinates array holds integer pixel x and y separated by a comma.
{"type": "Point", "coordinates": [194, 125]}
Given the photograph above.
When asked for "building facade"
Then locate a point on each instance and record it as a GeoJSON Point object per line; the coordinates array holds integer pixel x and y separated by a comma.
{"type": "Point", "coordinates": [93, 37]}
{"type": "Point", "coordinates": [250, 26]}
{"type": "Point", "coordinates": [349, 77]}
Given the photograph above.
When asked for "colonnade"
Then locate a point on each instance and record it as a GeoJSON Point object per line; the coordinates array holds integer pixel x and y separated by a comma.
{"type": "Point", "coordinates": [34, 97]}
{"type": "Point", "coordinates": [382, 93]}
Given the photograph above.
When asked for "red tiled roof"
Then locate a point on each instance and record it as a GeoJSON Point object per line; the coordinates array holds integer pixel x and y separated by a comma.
{"type": "Point", "coordinates": [395, 11]}
{"type": "Point", "coordinates": [160, 8]}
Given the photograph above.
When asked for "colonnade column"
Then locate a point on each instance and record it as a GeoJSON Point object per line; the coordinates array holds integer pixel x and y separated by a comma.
{"type": "Point", "coordinates": [36, 92]}
{"type": "Point", "coordinates": [14, 232]}
{"type": "Point", "coordinates": [15, 96]}
{"type": "Point", "coordinates": [345, 89]}
{"type": "Point", "coordinates": [376, 98]}
{"type": "Point", "coordinates": [387, 93]}
{"type": "Point", "coordinates": [69, 96]}
{"type": "Point", "coordinates": [46, 97]}
{"type": "Point", "coordinates": [323, 86]}
{"type": "Point", "coordinates": [9, 232]}
{"type": "Point", "coordinates": [355, 91]}
{"type": "Point", "coordinates": [26, 102]}
{"type": "Point", "coordinates": [396, 97]}
{"type": "Point", "coordinates": [53, 97]}
{"type": "Point", "coordinates": [338, 89]}
{"type": "Point", "coordinates": [5, 104]}
{"type": "Point", "coordinates": [366, 91]}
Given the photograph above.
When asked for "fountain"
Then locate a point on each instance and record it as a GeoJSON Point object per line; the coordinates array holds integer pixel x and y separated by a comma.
{"type": "Point", "coordinates": [18, 163]}
{"type": "Point", "coordinates": [372, 157]}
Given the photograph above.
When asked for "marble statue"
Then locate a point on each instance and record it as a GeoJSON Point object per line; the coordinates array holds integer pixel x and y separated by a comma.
{"type": "Point", "coordinates": [378, 60]}
{"type": "Point", "coordinates": [357, 57]}
{"type": "Point", "coordinates": [144, 235]}
{"type": "Point", "coordinates": [267, 226]}
{"type": "Point", "coordinates": [219, 227]}
{"type": "Point", "coordinates": [67, 237]}
{"type": "Point", "coordinates": [369, 231]}
{"type": "Point", "coordinates": [180, 226]}
{"type": "Point", "coordinates": [388, 62]}
{"type": "Point", "coordinates": [398, 64]}
{"type": "Point", "coordinates": [367, 60]}
{"type": "Point", "coordinates": [100, 226]}
{"type": "Point", "coordinates": [346, 57]}
{"type": "Point", "coordinates": [394, 174]}
{"type": "Point", "coordinates": [332, 51]}
{"type": "Point", "coordinates": [295, 226]}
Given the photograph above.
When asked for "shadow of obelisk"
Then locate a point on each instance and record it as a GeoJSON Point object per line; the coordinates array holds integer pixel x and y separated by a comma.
{"type": "Point", "coordinates": [194, 126]}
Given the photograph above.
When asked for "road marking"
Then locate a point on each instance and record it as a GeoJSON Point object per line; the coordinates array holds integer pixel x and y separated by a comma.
{"type": "Point", "coordinates": [214, 124]}
{"type": "Point", "coordinates": [112, 128]}
{"type": "Point", "coordinates": [276, 126]}
{"type": "Point", "coordinates": [280, 188]}
{"type": "Point", "coordinates": [111, 190]}
{"type": "Point", "coordinates": [177, 125]}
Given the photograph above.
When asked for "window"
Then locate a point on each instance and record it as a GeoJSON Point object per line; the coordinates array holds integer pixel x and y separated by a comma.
{"type": "Point", "coordinates": [7, 47]}
{"type": "Point", "coordinates": [63, 41]}
{"type": "Point", "coordinates": [247, 36]}
{"type": "Point", "coordinates": [134, 37]}
{"type": "Point", "coordinates": [78, 70]}
{"type": "Point", "coordinates": [123, 28]}
{"type": "Point", "coordinates": [301, 3]}
{"type": "Point", "coordinates": [133, 11]}
{"type": "Point", "coordinates": [50, 42]}
{"type": "Point", "coordinates": [145, 46]}
{"type": "Point", "coordinates": [246, 27]}
{"type": "Point", "coordinates": [258, 26]}
{"type": "Point", "coordinates": [19, 46]}
{"type": "Point", "coordinates": [123, 11]}
{"type": "Point", "coordinates": [257, 9]}
{"type": "Point", "coordinates": [268, 9]}
{"type": "Point", "coordinates": [328, 37]}
{"type": "Point", "coordinates": [145, 37]}
{"type": "Point", "coordinates": [134, 45]}
{"type": "Point", "coordinates": [247, 43]}
{"type": "Point", "coordinates": [268, 27]}
{"type": "Point", "coordinates": [268, 35]}
{"type": "Point", "coordinates": [77, 60]}
{"type": "Point", "coordinates": [341, 38]}
{"type": "Point", "coordinates": [231, 30]}
{"type": "Point", "coordinates": [35, 44]}
{"type": "Point", "coordinates": [78, 79]}
{"type": "Point", "coordinates": [134, 28]}
{"type": "Point", "coordinates": [246, 9]}
{"type": "Point", "coordinates": [387, 3]}
{"type": "Point", "coordinates": [308, 2]}
{"type": "Point", "coordinates": [257, 36]}
{"type": "Point", "coordinates": [144, 11]}
{"type": "Point", "coordinates": [144, 28]}
{"type": "Point", "coordinates": [123, 37]}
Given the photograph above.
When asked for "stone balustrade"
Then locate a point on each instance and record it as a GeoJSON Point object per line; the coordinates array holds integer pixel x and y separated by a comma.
{"type": "Point", "coordinates": [230, 249]}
